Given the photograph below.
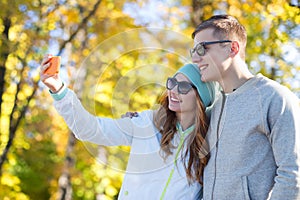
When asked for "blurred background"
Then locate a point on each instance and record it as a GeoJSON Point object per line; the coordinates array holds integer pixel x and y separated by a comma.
{"type": "Point", "coordinates": [116, 56]}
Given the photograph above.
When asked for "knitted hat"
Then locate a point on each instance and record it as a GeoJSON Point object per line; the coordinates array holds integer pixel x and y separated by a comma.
{"type": "Point", "coordinates": [206, 91]}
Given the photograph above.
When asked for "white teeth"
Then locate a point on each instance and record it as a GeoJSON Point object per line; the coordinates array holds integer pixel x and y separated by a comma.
{"type": "Point", "coordinates": [174, 99]}
{"type": "Point", "coordinates": [203, 67]}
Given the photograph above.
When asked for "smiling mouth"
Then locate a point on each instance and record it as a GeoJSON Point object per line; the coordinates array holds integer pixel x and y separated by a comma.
{"type": "Point", "coordinates": [175, 100]}
{"type": "Point", "coordinates": [203, 67]}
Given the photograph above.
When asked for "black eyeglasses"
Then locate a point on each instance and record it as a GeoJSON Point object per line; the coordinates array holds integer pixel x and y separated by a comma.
{"type": "Point", "coordinates": [201, 47]}
{"type": "Point", "coordinates": [183, 86]}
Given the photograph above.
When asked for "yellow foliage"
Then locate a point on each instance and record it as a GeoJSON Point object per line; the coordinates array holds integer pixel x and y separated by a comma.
{"type": "Point", "coordinates": [111, 190]}
{"type": "Point", "coordinates": [14, 32]}
{"type": "Point", "coordinates": [105, 181]}
{"type": "Point", "coordinates": [51, 25]}
{"type": "Point", "coordinates": [69, 15]}
{"type": "Point", "coordinates": [246, 7]}
{"type": "Point", "coordinates": [12, 62]}
{"type": "Point", "coordinates": [21, 142]}
{"type": "Point", "coordinates": [2, 27]}
{"type": "Point", "coordinates": [60, 134]}
{"type": "Point", "coordinates": [86, 52]}
{"type": "Point", "coordinates": [275, 8]}
{"type": "Point", "coordinates": [101, 97]}
{"type": "Point", "coordinates": [258, 6]}
{"type": "Point", "coordinates": [110, 5]}
{"type": "Point", "coordinates": [297, 19]}
{"type": "Point", "coordinates": [14, 19]}
{"type": "Point", "coordinates": [23, 36]}
{"type": "Point", "coordinates": [109, 20]}
{"type": "Point", "coordinates": [10, 180]}
{"type": "Point", "coordinates": [233, 10]}
{"type": "Point", "coordinates": [207, 9]}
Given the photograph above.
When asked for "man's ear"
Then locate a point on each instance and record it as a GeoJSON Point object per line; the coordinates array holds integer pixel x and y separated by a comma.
{"type": "Point", "coordinates": [234, 48]}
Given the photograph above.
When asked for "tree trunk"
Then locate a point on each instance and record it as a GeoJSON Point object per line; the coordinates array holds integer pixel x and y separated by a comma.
{"type": "Point", "coordinates": [19, 107]}
{"type": "Point", "coordinates": [3, 58]}
{"type": "Point", "coordinates": [64, 181]}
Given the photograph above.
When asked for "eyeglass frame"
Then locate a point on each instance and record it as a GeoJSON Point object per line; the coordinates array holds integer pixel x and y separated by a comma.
{"type": "Point", "coordinates": [203, 46]}
{"type": "Point", "coordinates": [178, 85]}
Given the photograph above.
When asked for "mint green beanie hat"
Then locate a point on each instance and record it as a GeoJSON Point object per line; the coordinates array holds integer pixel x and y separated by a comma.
{"type": "Point", "coordinates": [205, 90]}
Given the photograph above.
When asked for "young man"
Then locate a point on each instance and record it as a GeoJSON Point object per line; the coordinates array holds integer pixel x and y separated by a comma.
{"type": "Point", "coordinates": [254, 133]}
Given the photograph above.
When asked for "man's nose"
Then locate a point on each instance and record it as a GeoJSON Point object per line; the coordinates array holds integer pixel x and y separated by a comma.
{"type": "Point", "coordinates": [196, 58]}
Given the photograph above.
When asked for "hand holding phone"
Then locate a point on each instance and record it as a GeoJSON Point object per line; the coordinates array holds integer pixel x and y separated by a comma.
{"type": "Point", "coordinates": [54, 66]}
{"type": "Point", "coordinates": [49, 72]}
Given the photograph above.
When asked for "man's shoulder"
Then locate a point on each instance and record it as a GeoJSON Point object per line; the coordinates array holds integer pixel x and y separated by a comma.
{"type": "Point", "coordinates": [271, 86]}
{"type": "Point", "coordinates": [273, 90]}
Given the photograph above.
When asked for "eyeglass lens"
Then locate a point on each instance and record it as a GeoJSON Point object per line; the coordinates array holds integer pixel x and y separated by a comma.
{"type": "Point", "coordinates": [200, 47]}
{"type": "Point", "coordinates": [183, 86]}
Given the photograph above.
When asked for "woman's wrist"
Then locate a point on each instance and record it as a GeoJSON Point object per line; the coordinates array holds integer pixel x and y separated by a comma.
{"type": "Point", "coordinates": [60, 94]}
{"type": "Point", "coordinates": [57, 88]}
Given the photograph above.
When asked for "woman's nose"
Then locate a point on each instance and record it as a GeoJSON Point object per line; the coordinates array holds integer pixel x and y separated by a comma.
{"type": "Point", "coordinates": [175, 89]}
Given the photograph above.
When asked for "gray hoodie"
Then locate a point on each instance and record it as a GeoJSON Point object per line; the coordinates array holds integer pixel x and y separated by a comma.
{"type": "Point", "coordinates": [254, 140]}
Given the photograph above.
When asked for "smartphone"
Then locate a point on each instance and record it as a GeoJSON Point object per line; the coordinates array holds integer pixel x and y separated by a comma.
{"type": "Point", "coordinates": [54, 66]}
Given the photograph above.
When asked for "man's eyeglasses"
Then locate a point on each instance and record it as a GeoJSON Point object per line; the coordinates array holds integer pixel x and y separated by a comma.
{"type": "Point", "coordinates": [183, 86]}
{"type": "Point", "coordinates": [201, 47]}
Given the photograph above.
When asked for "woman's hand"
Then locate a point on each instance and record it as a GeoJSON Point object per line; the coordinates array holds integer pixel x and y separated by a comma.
{"type": "Point", "coordinates": [130, 115]}
{"type": "Point", "coordinates": [53, 82]}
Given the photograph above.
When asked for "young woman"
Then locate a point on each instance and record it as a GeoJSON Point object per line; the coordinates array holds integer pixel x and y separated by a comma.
{"type": "Point", "coordinates": [168, 147]}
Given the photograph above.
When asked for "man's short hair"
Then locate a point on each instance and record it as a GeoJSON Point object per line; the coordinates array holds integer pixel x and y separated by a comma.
{"type": "Point", "coordinates": [225, 27]}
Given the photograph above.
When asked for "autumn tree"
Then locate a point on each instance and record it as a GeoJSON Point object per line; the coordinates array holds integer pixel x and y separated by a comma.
{"type": "Point", "coordinates": [113, 67]}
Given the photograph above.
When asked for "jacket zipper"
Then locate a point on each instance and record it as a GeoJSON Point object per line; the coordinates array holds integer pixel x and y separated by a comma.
{"type": "Point", "coordinates": [182, 134]}
{"type": "Point", "coordinates": [217, 144]}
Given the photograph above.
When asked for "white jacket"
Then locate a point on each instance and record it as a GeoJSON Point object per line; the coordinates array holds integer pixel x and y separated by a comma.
{"type": "Point", "coordinates": [147, 173]}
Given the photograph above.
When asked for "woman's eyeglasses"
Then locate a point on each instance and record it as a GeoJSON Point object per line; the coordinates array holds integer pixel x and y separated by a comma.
{"type": "Point", "coordinates": [183, 86]}
{"type": "Point", "coordinates": [201, 47]}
